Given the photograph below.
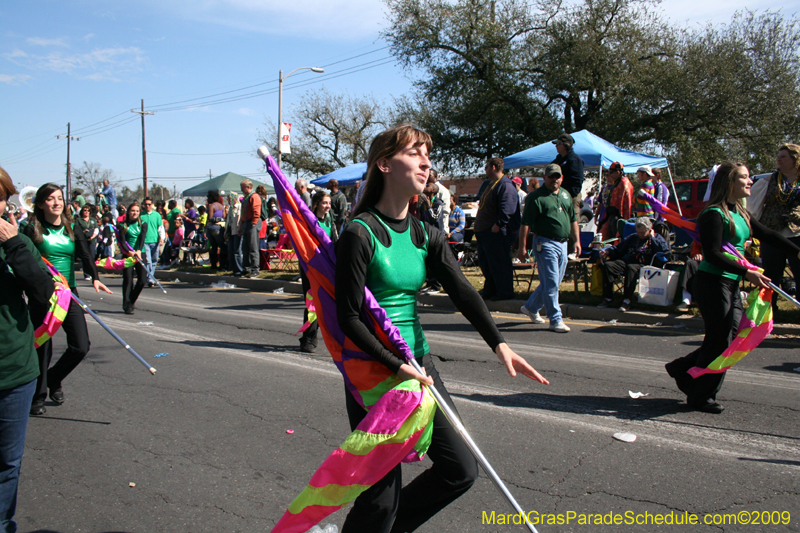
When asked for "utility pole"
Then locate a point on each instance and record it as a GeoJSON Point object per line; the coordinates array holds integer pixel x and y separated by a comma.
{"type": "Point", "coordinates": [144, 152]}
{"type": "Point", "coordinates": [69, 167]}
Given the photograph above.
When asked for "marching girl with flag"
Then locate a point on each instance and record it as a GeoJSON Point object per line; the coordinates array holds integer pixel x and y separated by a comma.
{"type": "Point", "coordinates": [53, 234]}
{"type": "Point", "coordinates": [133, 231]}
{"type": "Point", "coordinates": [700, 374]}
{"type": "Point", "coordinates": [387, 251]}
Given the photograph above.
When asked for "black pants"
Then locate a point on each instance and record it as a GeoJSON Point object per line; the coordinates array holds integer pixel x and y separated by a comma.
{"type": "Point", "coordinates": [721, 306]}
{"type": "Point", "coordinates": [494, 258]}
{"type": "Point", "coordinates": [386, 507]}
{"type": "Point", "coordinates": [214, 233]}
{"type": "Point", "coordinates": [74, 327]}
{"type": "Point", "coordinates": [613, 270]}
{"type": "Point", "coordinates": [310, 334]}
{"type": "Point", "coordinates": [689, 273]}
{"type": "Point", "coordinates": [774, 262]}
{"type": "Point", "coordinates": [130, 292]}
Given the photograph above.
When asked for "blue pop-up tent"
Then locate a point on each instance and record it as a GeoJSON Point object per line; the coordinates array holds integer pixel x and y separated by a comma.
{"type": "Point", "coordinates": [345, 176]}
{"type": "Point", "coordinates": [594, 150]}
{"type": "Point", "coordinates": [597, 154]}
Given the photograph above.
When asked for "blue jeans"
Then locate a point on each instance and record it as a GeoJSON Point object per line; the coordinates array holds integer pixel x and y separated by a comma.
{"type": "Point", "coordinates": [552, 263]}
{"type": "Point", "coordinates": [235, 254]}
{"type": "Point", "coordinates": [15, 404]}
{"type": "Point", "coordinates": [150, 259]}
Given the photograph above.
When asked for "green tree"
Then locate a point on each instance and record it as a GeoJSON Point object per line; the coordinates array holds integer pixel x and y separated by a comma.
{"type": "Point", "coordinates": [502, 75]}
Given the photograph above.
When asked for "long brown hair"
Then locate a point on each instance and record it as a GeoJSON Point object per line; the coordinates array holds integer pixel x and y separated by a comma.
{"type": "Point", "coordinates": [385, 145]}
{"type": "Point", "coordinates": [315, 201]}
{"type": "Point", "coordinates": [43, 194]}
{"type": "Point", "coordinates": [721, 191]}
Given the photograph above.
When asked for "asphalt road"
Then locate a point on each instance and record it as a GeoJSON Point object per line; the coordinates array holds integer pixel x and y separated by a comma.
{"type": "Point", "coordinates": [205, 440]}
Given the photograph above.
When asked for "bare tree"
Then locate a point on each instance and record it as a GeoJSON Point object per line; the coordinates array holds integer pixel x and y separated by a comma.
{"type": "Point", "coordinates": [90, 176]}
{"type": "Point", "coordinates": [330, 131]}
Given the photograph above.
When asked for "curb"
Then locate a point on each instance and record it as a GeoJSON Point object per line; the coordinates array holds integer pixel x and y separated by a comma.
{"type": "Point", "coordinates": [573, 311]}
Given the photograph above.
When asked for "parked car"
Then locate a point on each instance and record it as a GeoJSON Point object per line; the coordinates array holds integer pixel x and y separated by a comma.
{"type": "Point", "coordinates": [690, 194]}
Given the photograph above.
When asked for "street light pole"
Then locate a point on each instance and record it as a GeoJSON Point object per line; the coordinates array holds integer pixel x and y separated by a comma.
{"type": "Point", "coordinates": [281, 77]}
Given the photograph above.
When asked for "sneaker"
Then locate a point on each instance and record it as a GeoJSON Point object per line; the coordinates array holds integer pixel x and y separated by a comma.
{"type": "Point", "coordinates": [253, 275]}
{"type": "Point", "coordinates": [535, 318]}
{"type": "Point", "coordinates": [625, 306]}
{"type": "Point", "coordinates": [559, 327]}
{"type": "Point", "coordinates": [605, 303]}
{"type": "Point", "coordinates": [87, 278]}
{"type": "Point", "coordinates": [434, 290]}
{"type": "Point", "coordinates": [683, 307]}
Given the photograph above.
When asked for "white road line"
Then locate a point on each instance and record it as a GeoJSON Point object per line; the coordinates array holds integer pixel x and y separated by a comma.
{"type": "Point", "coordinates": [665, 431]}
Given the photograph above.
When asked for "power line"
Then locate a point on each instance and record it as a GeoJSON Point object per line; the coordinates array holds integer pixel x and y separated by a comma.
{"type": "Point", "coordinates": [217, 153]}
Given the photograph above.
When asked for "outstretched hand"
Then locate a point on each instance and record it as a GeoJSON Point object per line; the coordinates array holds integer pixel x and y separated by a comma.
{"type": "Point", "coordinates": [758, 279]}
{"type": "Point", "coordinates": [516, 363]}
{"type": "Point", "coordinates": [98, 286]}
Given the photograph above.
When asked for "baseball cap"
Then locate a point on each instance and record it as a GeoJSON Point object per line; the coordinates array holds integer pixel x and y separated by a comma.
{"type": "Point", "coordinates": [646, 169]}
{"type": "Point", "coordinates": [564, 138]}
{"type": "Point", "coordinates": [517, 179]}
{"type": "Point", "coordinates": [551, 169]}
{"type": "Point", "coordinates": [616, 165]}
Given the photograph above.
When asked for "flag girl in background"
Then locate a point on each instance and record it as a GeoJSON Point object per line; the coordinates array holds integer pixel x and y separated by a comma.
{"type": "Point", "coordinates": [133, 230]}
{"type": "Point", "coordinates": [52, 231]}
{"type": "Point", "coordinates": [386, 250]}
{"type": "Point", "coordinates": [321, 206]}
{"type": "Point", "coordinates": [717, 282]}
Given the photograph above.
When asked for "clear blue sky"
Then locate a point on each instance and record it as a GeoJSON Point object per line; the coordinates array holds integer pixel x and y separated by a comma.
{"type": "Point", "coordinates": [87, 61]}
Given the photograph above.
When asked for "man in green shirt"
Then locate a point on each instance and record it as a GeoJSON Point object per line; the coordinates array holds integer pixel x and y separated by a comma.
{"type": "Point", "coordinates": [550, 215]}
{"type": "Point", "coordinates": [151, 239]}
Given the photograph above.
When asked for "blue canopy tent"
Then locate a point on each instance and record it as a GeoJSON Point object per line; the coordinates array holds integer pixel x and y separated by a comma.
{"type": "Point", "coordinates": [345, 176]}
{"type": "Point", "coordinates": [594, 151]}
{"type": "Point", "coordinates": [597, 154]}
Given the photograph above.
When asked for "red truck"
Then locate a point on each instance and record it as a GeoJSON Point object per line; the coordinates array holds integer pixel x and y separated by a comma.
{"type": "Point", "coordinates": [690, 193]}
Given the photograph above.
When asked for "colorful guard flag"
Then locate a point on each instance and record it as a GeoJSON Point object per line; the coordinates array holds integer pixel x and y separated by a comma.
{"type": "Point", "coordinates": [59, 305]}
{"type": "Point", "coordinates": [399, 421]}
{"type": "Point", "coordinates": [756, 324]}
{"type": "Point", "coordinates": [111, 264]}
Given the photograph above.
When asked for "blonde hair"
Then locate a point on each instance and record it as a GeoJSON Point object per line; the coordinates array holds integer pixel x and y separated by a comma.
{"type": "Point", "coordinates": [384, 146]}
{"type": "Point", "coordinates": [794, 153]}
{"type": "Point", "coordinates": [6, 185]}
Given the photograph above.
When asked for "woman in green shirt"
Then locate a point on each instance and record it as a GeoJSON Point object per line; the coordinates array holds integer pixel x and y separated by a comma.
{"type": "Point", "coordinates": [133, 230]}
{"type": "Point", "coordinates": [321, 207]}
{"type": "Point", "coordinates": [716, 288]}
{"type": "Point", "coordinates": [52, 231]}
{"type": "Point", "coordinates": [387, 250]}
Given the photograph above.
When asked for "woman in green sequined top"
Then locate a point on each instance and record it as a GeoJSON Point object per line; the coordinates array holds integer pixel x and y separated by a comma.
{"type": "Point", "coordinates": [53, 233]}
{"type": "Point", "coordinates": [388, 251]}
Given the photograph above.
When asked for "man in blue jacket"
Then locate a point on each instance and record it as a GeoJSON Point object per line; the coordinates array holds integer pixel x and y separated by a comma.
{"type": "Point", "coordinates": [627, 258]}
{"type": "Point", "coordinates": [496, 227]}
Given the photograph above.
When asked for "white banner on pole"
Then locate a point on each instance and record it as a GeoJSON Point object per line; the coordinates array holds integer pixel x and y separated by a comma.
{"type": "Point", "coordinates": [286, 130]}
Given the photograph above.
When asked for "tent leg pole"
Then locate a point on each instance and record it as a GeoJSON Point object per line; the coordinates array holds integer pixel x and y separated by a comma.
{"type": "Point", "coordinates": [677, 200]}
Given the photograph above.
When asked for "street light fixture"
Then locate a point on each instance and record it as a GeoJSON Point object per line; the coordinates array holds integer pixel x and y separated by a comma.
{"type": "Point", "coordinates": [281, 77]}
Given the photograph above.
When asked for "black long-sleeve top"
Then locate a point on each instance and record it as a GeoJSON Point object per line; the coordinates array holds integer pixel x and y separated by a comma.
{"type": "Point", "coordinates": [710, 228]}
{"type": "Point", "coordinates": [353, 254]}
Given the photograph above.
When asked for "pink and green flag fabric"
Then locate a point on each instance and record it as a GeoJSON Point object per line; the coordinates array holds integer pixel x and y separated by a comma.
{"type": "Point", "coordinates": [59, 305]}
{"type": "Point", "coordinates": [399, 421]}
{"type": "Point", "coordinates": [756, 324]}
{"type": "Point", "coordinates": [110, 263]}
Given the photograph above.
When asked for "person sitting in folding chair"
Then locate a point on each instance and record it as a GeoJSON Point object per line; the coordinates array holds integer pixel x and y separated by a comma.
{"type": "Point", "coordinates": [627, 258]}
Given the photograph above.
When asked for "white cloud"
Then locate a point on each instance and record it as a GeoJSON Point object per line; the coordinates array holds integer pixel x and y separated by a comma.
{"type": "Point", "coordinates": [315, 19]}
{"type": "Point", "coordinates": [246, 111]}
{"type": "Point", "coordinates": [38, 41]}
{"type": "Point", "coordinates": [14, 79]}
{"type": "Point", "coordinates": [97, 64]}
